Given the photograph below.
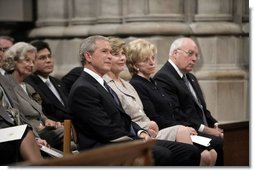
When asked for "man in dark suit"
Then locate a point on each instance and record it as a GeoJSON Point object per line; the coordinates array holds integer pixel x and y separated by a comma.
{"type": "Point", "coordinates": [69, 78]}
{"type": "Point", "coordinates": [52, 91]}
{"type": "Point", "coordinates": [98, 116]}
{"type": "Point", "coordinates": [183, 87]}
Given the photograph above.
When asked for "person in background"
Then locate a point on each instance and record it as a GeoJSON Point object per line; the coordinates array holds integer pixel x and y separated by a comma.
{"type": "Point", "coordinates": [5, 43]}
{"type": "Point", "coordinates": [19, 62]}
{"type": "Point", "coordinates": [52, 91]}
{"type": "Point", "coordinates": [69, 78]}
{"type": "Point", "coordinates": [98, 116]}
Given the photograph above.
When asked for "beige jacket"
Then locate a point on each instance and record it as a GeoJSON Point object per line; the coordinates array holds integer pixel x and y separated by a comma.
{"type": "Point", "coordinates": [130, 100]}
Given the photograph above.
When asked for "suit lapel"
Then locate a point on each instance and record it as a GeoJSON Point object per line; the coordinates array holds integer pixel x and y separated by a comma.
{"type": "Point", "coordinates": [27, 98]}
{"type": "Point", "coordinates": [5, 116]}
{"type": "Point", "coordinates": [195, 86]}
{"type": "Point", "coordinates": [47, 92]}
{"type": "Point", "coordinates": [101, 89]}
{"type": "Point", "coordinates": [172, 70]}
{"type": "Point", "coordinates": [9, 91]}
{"type": "Point", "coordinates": [60, 92]}
{"type": "Point", "coordinates": [21, 93]}
{"type": "Point", "coordinates": [126, 90]}
{"type": "Point", "coordinates": [120, 88]}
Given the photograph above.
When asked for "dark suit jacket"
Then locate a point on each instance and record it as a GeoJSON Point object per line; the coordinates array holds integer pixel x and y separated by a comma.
{"type": "Point", "coordinates": [186, 111]}
{"type": "Point", "coordinates": [157, 105]}
{"type": "Point", "coordinates": [51, 106]}
{"type": "Point", "coordinates": [71, 77]}
{"type": "Point", "coordinates": [96, 117]}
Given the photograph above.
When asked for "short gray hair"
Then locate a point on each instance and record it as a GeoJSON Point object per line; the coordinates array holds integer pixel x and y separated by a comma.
{"type": "Point", "coordinates": [175, 45]}
{"type": "Point", "coordinates": [89, 45]}
{"type": "Point", "coordinates": [15, 53]}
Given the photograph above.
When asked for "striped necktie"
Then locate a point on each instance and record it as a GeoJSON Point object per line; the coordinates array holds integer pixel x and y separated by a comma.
{"type": "Point", "coordinates": [112, 93]}
{"type": "Point", "coordinates": [116, 99]}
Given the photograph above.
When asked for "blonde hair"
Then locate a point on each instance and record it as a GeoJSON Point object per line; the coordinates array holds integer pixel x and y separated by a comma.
{"type": "Point", "coordinates": [116, 45]}
{"type": "Point", "coordinates": [137, 51]}
{"type": "Point", "coordinates": [15, 53]}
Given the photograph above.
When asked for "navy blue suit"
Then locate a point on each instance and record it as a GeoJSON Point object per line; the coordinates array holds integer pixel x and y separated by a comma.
{"type": "Point", "coordinates": [187, 112]}
{"type": "Point", "coordinates": [51, 106]}
{"type": "Point", "coordinates": [71, 77]}
{"type": "Point", "coordinates": [99, 120]}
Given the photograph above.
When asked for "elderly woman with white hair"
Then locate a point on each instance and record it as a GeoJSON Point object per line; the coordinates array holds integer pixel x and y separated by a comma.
{"type": "Point", "coordinates": [19, 63]}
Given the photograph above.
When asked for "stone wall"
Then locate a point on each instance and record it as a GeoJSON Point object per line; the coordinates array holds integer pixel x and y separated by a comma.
{"type": "Point", "coordinates": [220, 28]}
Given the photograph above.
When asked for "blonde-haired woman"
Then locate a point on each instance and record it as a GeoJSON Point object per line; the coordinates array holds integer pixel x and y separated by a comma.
{"type": "Point", "coordinates": [141, 62]}
{"type": "Point", "coordinates": [19, 62]}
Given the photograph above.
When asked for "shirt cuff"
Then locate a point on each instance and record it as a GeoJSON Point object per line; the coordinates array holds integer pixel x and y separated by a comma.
{"type": "Point", "coordinates": [216, 125]}
{"type": "Point", "coordinates": [123, 138]}
{"type": "Point", "coordinates": [140, 131]}
{"type": "Point", "coordinates": [201, 128]}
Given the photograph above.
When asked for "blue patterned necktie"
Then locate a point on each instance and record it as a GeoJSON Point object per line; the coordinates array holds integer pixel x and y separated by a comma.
{"type": "Point", "coordinates": [112, 93]}
{"type": "Point", "coordinates": [116, 99]}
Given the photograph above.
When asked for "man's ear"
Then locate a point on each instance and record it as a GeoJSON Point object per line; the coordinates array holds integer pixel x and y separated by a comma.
{"type": "Point", "coordinates": [88, 57]}
{"type": "Point", "coordinates": [174, 54]}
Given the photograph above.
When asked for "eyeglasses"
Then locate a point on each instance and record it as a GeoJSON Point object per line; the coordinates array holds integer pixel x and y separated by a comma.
{"type": "Point", "coordinates": [190, 53]}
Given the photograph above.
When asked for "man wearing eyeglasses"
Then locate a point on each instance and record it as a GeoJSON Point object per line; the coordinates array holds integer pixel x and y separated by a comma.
{"type": "Point", "coordinates": [183, 87]}
{"type": "Point", "coordinates": [5, 43]}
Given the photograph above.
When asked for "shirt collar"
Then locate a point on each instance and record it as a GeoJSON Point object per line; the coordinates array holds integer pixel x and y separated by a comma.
{"type": "Point", "coordinates": [43, 79]}
{"type": "Point", "coordinates": [95, 76]}
{"type": "Point", "coordinates": [2, 71]}
{"type": "Point", "coordinates": [176, 68]}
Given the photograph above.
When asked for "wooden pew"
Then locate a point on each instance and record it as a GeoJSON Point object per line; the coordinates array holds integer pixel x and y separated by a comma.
{"type": "Point", "coordinates": [133, 153]}
{"type": "Point", "coordinates": [236, 143]}
{"type": "Point", "coordinates": [67, 137]}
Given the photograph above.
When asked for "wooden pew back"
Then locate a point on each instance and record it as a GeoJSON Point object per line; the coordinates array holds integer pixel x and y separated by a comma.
{"type": "Point", "coordinates": [236, 143]}
{"type": "Point", "coordinates": [133, 153]}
